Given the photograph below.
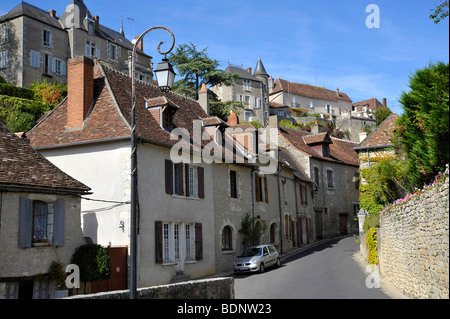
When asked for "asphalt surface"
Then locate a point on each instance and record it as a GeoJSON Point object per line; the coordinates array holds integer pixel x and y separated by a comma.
{"type": "Point", "coordinates": [326, 271]}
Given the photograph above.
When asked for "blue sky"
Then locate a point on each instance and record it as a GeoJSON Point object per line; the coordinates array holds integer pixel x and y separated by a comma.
{"type": "Point", "coordinates": [324, 43]}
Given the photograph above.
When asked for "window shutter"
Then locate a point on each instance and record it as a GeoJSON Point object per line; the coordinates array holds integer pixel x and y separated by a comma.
{"type": "Point", "coordinates": [198, 242]}
{"type": "Point", "coordinates": [59, 222]}
{"type": "Point", "coordinates": [180, 179]}
{"type": "Point", "coordinates": [201, 182]}
{"type": "Point", "coordinates": [186, 171]}
{"type": "Point", "coordinates": [169, 177]}
{"type": "Point", "coordinates": [97, 53]}
{"type": "Point", "coordinates": [25, 222]}
{"type": "Point", "coordinates": [258, 188]}
{"type": "Point", "coordinates": [158, 242]}
{"type": "Point", "coordinates": [266, 191]}
{"type": "Point", "coordinates": [63, 68]}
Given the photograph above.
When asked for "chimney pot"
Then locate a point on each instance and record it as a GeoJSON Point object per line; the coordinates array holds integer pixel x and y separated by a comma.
{"type": "Point", "coordinates": [52, 13]}
{"type": "Point", "coordinates": [233, 119]}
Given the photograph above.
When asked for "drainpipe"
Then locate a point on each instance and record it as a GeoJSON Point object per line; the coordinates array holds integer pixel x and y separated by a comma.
{"type": "Point", "coordinates": [296, 212]}
{"type": "Point", "coordinates": [253, 202]}
{"type": "Point", "coordinates": [280, 208]}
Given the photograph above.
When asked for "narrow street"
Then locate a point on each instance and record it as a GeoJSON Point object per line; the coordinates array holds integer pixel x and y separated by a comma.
{"type": "Point", "coordinates": [326, 271]}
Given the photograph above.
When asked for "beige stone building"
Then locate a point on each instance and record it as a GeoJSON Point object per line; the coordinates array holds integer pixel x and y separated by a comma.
{"type": "Point", "coordinates": [39, 219]}
{"type": "Point", "coordinates": [252, 89]}
{"type": "Point", "coordinates": [36, 44]}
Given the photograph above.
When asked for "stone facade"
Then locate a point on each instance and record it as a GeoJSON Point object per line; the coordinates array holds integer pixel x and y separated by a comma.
{"type": "Point", "coordinates": [414, 244]}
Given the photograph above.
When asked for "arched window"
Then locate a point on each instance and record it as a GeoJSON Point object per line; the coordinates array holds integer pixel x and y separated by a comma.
{"type": "Point", "coordinates": [273, 231]}
{"type": "Point", "coordinates": [227, 238]}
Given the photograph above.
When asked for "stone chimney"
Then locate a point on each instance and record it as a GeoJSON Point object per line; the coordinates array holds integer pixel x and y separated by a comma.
{"type": "Point", "coordinates": [316, 128]}
{"type": "Point", "coordinates": [271, 84]}
{"type": "Point", "coordinates": [233, 119]}
{"type": "Point", "coordinates": [97, 20]}
{"type": "Point", "coordinates": [337, 91]}
{"type": "Point", "coordinates": [203, 99]}
{"type": "Point", "coordinates": [80, 82]}
{"type": "Point", "coordinates": [52, 13]}
{"type": "Point", "coordinates": [362, 136]}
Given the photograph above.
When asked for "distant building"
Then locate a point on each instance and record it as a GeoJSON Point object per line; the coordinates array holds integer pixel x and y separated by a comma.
{"type": "Point", "coordinates": [252, 89]}
{"type": "Point", "coordinates": [297, 98]}
{"type": "Point", "coordinates": [36, 44]}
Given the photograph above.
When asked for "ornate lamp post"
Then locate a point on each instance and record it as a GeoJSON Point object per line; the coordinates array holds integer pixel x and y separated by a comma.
{"type": "Point", "coordinates": [165, 76]}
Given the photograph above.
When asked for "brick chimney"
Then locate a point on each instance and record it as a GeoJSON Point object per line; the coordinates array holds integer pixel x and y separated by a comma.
{"type": "Point", "coordinates": [140, 45]}
{"type": "Point", "coordinates": [249, 70]}
{"type": "Point", "coordinates": [384, 101]}
{"type": "Point", "coordinates": [203, 99]}
{"type": "Point", "coordinates": [97, 20]}
{"type": "Point", "coordinates": [233, 119]}
{"type": "Point", "coordinates": [362, 136]}
{"type": "Point", "coordinates": [80, 82]}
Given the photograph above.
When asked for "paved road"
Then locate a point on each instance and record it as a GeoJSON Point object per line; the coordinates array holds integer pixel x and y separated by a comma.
{"type": "Point", "coordinates": [327, 271]}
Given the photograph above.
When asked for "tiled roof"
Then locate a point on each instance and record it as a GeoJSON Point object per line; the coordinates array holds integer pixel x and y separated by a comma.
{"type": "Point", "coordinates": [317, 138]}
{"type": "Point", "coordinates": [110, 117]}
{"type": "Point", "coordinates": [22, 166]}
{"type": "Point", "coordinates": [309, 91]}
{"type": "Point", "coordinates": [340, 151]}
{"type": "Point", "coordinates": [371, 104]}
{"type": "Point", "coordinates": [383, 134]}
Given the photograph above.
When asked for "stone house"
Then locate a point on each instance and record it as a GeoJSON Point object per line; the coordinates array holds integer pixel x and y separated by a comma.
{"type": "Point", "coordinates": [252, 89]}
{"type": "Point", "coordinates": [39, 218]}
{"type": "Point", "coordinates": [332, 165]}
{"type": "Point", "coordinates": [36, 44]}
{"type": "Point", "coordinates": [305, 97]}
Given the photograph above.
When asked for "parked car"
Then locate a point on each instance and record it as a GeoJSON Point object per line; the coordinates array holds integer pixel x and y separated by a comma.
{"type": "Point", "coordinates": [257, 258]}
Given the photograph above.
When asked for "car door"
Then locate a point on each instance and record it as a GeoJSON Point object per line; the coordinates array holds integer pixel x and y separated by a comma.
{"type": "Point", "coordinates": [273, 254]}
{"type": "Point", "coordinates": [268, 260]}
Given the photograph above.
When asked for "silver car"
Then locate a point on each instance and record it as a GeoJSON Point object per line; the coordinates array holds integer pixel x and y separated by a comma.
{"type": "Point", "coordinates": [257, 258]}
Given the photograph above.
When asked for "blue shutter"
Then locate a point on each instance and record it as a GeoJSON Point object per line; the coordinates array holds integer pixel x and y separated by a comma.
{"type": "Point", "coordinates": [58, 222]}
{"type": "Point", "coordinates": [25, 222]}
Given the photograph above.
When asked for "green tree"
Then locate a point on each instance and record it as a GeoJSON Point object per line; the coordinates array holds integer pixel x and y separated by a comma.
{"type": "Point", "coordinates": [381, 114]}
{"type": "Point", "coordinates": [440, 12]}
{"type": "Point", "coordinates": [423, 127]}
{"type": "Point", "coordinates": [195, 67]}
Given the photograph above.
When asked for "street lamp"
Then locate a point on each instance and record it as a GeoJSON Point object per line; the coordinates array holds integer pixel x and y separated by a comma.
{"type": "Point", "coordinates": [165, 76]}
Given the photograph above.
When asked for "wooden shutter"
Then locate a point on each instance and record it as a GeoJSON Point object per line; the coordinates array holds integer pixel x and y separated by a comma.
{"type": "Point", "coordinates": [59, 222]}
{"type": "Point", "coordinates": [158, 242]}
{"type": "Point", "coordinates": [198, 242]}
{"type": "Point", "coordinates": [201, 182]}
{"type": "Point", "coordinates": [179, 167]}
{"type": "Point", "coordinates": [258, 188]}
{"type": "Point", "coordinates": [301, 193]}
{"type": "Point", "coordinates": [169, 177]}
{"type": "Point", "coordinates": [266, 191]}
{"type": "Point", "coordinates": [186, 175]}
{"type": "Point", "coordinates": [25, 222]}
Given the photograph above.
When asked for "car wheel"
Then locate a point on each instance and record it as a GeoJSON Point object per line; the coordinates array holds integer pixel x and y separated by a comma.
{"type": "Point", "coordinates": [262, 268]}
{"type": "Point", "coordinates": [278, 264]}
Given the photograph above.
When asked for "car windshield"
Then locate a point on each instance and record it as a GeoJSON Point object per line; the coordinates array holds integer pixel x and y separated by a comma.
{"type": "Point", "coordinates": [250, 252]}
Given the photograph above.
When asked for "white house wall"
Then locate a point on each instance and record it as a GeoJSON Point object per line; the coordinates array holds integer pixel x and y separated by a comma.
{"type": "Point", "coordinates": [105, 168]}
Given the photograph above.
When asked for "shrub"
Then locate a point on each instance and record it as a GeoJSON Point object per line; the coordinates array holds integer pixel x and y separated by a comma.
{"type": "Point", "coordinates": [93, 261]}
{"type": "Point", "coordinates": [372, 246]}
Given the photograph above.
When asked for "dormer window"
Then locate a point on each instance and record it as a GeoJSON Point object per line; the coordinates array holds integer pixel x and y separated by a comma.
{"type": "Point", "coordinates": [89, 24]}
{"type": "Point", "coordinates": [163, 111]}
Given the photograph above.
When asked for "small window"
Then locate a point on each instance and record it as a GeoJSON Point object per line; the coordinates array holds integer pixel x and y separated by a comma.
{"type": "Point", "coordinates": [247, 85]}
{"type": "Point", "coordinates": [47, 38]}
{"type": "Point", "coordinates": [4, 59]}
{"type": "Point", "coordinates": [330, 178]}
{"type": "Point", "coordinates": [47, 63]}
{"type": "Point", "coordinates": [40, 216]}
{"type": "Point", "coordinates": [280, 113]}
{"type": "Point", "coordinates": [112, 52]}
{"type": "Point", "coordinates": [227, 238]}
{"type": "Point", "coordinates": [316, 176]}
{"type": "Point", "coordinates": [91, 28]}
{"type": "Point", "coordinates": [4, 33]}
{"type": "Point", "coordinates": [233, 184]}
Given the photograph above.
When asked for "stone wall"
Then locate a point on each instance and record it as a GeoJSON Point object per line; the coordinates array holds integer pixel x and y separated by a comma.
{"type": "Point", "coordinates": [414, 243]}
{"type": "Point", "coordinates": [218, 288]}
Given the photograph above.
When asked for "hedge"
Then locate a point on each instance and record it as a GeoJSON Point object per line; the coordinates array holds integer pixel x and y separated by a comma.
{"type": "Point", "coordinates": [16, 91]}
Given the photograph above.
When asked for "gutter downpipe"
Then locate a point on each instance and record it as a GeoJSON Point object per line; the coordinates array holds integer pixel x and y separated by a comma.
{"type": "Point", "coordinates": [280, 208]}
{"type": "Point", "coordinates": [252, 180]}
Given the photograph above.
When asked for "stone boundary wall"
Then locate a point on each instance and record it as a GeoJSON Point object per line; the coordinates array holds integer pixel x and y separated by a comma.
{"type": "Point", "coordinates": [413, 243]}
{"type": "Point", "coordinates": [217, 288]}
